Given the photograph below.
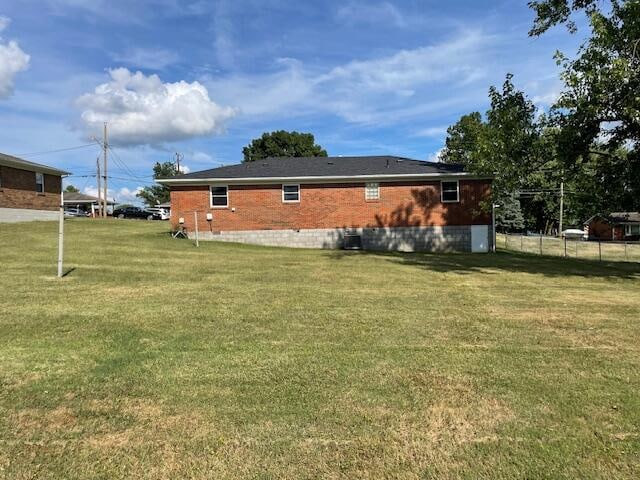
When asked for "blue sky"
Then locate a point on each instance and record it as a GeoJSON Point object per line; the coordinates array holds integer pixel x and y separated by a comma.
{"type": "Point", "coordinates": [205, 77]}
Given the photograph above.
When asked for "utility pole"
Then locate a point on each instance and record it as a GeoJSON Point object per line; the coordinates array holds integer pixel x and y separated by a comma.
{"type": "Point", "coordinates": [561, 205]}
{"type": "Point", "coordinates": [61, 235]}
{"type": "Point", "coordinates": [105, 146]}
{"type": "Point", "coordinates": [99, 193]}
{"type": "Point", "coordinates": [179, 157]}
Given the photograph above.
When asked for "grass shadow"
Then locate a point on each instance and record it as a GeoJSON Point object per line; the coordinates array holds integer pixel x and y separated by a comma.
{"type": "Point", "coordinates": [466, 263]}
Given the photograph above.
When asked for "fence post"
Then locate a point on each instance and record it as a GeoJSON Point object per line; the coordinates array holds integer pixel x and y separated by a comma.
{"type": "Point", "coordinates": [195, 217]}
{"type": "Point", "coordinates": [540, 244]}
{"type": "Point", "coordinates": [626, 259]}
{"type": "Point", "coordinates": [565, 247]}
{"type": "Point", "coordinates": [599, 250]}
{"type": "Point", "coordinates": [521, 249]}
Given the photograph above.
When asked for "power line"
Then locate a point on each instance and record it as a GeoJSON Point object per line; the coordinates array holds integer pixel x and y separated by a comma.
{"type": "Point", "coordinates": [33, 154]}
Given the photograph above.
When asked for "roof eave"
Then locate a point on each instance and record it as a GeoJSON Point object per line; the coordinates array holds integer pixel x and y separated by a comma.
{"type": "Point", "coordinates": [322, 179]}
{"type": "Point", "coordinates": [7, 162]}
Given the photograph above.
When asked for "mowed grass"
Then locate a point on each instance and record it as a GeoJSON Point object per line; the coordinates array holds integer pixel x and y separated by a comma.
{"type": "Point", "coordinates": [156, 359]}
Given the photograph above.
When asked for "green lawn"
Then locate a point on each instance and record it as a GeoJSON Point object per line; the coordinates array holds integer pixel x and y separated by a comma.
{"type": "Point", "coordinates": [155, 359]}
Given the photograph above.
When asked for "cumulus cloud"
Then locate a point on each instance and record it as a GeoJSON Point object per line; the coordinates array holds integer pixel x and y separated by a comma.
{"type": "Point", "coordinates": [142, 110]}
{"type": "Point", "coordinates": [13, 60]}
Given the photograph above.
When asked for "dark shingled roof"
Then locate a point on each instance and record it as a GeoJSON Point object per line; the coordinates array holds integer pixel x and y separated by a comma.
{"type": "Point", "coordinates": [623, 217]}
{"type": "Point", "coordinates": [19, 163]}
{"type": "Point", "coordinates": [283, 167]}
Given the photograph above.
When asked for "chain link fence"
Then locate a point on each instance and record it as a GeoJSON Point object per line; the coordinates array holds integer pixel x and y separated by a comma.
{"type": "Point", "coordinates": [609, 251]}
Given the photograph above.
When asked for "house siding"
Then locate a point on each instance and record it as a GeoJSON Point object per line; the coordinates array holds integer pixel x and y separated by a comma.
{"type": "Point", "coordinates": [408, 215]}
{"type": "Point", "coordinates": [18, 190]}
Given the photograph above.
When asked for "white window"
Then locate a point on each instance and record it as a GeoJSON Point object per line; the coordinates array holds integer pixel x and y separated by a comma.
{"type": "Point", "coordinates": [372, 191]}
{"type": "Point", "coordinates": [450, 191]}
{"type": "Point", "coordinates": [290, 193]}
{"type": "Point", "coordinates": [219, 196]}
{"type": "Point", "coordinates": [39, 182]}
{"type": "Point", "coordinates": [632, 230]}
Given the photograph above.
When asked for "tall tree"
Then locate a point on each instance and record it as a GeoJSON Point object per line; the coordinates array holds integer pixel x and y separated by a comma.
{"type": "Point", "coordinates": [599, 110]}
{"type": "Point", "coordinates": [156, 194]}
{"type": "Point", "coordinates": [283, 144]}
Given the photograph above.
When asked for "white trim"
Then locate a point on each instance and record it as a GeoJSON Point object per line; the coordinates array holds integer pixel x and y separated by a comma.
{"type": "Point", "coordinates": [457, 191]}
{"type": "Point", "coordinates": [320, 179]}
{"type": "Point", "coordinates": [211, 205]}
{"type": "Point", "coordinates": [290, 185]}
{"type": "Point", "coordinates": [42, 175]}
{"type": "Point", "coordinates": [372, 185]}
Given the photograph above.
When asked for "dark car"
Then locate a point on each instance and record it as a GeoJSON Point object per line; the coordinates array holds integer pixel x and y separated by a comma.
{"type": "Point", "coordinates": [135, 212]}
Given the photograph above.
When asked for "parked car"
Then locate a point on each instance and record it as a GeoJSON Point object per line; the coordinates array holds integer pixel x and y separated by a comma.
{"type": "Point", "coordinates": [74, 212]}
{"type": "Point", "coordinates": [574, 234]}
{"type": "Point", "coordinates": [163, 212]}
{"type": "Point", "coordinates": [135, 212]}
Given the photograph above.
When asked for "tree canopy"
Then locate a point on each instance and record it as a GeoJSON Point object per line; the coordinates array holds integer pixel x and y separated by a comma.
{"type": "Point", "coordinates": [155, 194]}
{"type": "Point", "coordinates": [282, 144]}
{"type": "Point", "coordinates": [71, 189]}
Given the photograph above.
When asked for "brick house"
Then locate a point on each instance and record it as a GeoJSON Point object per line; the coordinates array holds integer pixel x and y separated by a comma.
{"type": "Point", "coordinates": [615, 226]}
{"type": "Point", "coordinates": [393, 203]}
{"type": "Point", "coordinates": [28, 191]}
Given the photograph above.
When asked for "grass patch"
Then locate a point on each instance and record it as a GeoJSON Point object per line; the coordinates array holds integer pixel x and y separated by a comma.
{"type": "Point", "coordinates": [154, 359]}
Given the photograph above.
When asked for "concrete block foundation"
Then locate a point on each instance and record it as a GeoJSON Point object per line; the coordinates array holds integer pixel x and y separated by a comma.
{"type": "Point", "coordinates": [464, 238]}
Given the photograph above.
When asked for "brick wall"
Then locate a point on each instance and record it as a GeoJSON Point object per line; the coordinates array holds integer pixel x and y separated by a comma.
{"type": "Point", "coordinates": [401, 204]}
{"type": "Point", "coordinates": [18, 190]}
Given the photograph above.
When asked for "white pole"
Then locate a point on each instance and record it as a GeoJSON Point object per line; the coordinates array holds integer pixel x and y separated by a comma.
{"type": "Point", "coordinates": [195, 217]}
{"type": "Point", "coordinates": [493, 226]}
{"type": "Point", "coordinates": [61, 235]}
{"type": "Point", "coordinates": [561, 205]}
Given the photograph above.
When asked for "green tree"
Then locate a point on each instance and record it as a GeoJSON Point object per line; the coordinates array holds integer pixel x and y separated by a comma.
{"type": "Point", "coordinates": [156, 194]}
{"type": "Point", "coordinates": [509, 143]}
{"type": "Point", "coordinates": [283, 144]}
{"type": "Point", "coordinates": [509, 216]}
{"type": "Point", "coordinates": [597, 114]}
{"type": "Point", "coordinates": [71, 189]}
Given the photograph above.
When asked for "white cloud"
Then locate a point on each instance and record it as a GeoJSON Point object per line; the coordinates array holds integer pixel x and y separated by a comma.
{"type": "Point", "coordinates": [372, 13]}
{"type": "Point", "coordinates": [378, 90]}
{"type": "Point", "coordinates": [13, 60]}
{"type": "Point", "coordinates": [436, 156]}
{"type": "Point", "coordinates": [4, 22]}
{"type": "Point", "coordinates": [122, 195]}
{"type": "Point", "coordinates": [432, 132]}
{"type": "Point", "coordinates": [148, 58]}
{"type": "Point", "coordinates": [143, 110]}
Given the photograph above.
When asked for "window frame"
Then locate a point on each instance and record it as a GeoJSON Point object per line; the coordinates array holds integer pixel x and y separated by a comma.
{"type": "Point", "coordinates": [457, 182]}
{"type": "Point", "coordinates": [297, 185]}
{"type": "Point", "coordinates": [368, 185]}
{"type": "Point", "coordinates": [211, 187]}
{"type": "Point", "coordinates": [628, 230]}
{"type": "Point", "coordinates": [39, 192]}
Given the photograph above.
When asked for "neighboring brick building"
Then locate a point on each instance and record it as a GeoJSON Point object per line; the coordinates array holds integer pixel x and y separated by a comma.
{"type": "Point", "coordinates": [28, 191]}
{"type": "Point", "coordinates": [393, 203]}
{"type": "Point", "coordinates": [615, 226]}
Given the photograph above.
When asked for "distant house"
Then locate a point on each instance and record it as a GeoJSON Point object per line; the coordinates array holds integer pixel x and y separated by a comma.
{"type": "Point", "coordinates": [387, 203]}
{"type": "Point", "coordinates": [615, 226]}
{"type": "Point", "coordinates": [88, 203]}
{"type": "Point", "coordinates": [28, 191]}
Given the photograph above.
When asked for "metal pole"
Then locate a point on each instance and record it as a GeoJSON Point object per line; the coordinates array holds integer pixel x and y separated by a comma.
{"type": "Point", "coordinates": [61, 235]}
{"type": "Point", "coordinates": [105, 145]}
{"type": "Point", "coordinates": [540, 244]}
{"type": "Point", "coordinates": [99, 192]}
{"type": "Point", "coordinates": [626, 259]}
{"type": "Point", "coordinates": [561, 204]}
{"type": "Point", "coordinates": [600, 250]}
{"type": "Point", "coordinates": [565, 247]}
{"type": "Point", "coordinates": [195, 217]}
{"type": "Point", "coordinates": [493, 226]}
{"type": "Point", "coordinates": [521, 242]}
